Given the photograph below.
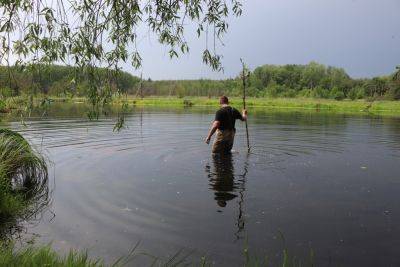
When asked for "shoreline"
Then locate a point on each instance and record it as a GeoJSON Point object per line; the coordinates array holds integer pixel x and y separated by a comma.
{"type": "Point", "coordinates": [381, 107]}
{"type": "Point", "coordinates": [378, 107]}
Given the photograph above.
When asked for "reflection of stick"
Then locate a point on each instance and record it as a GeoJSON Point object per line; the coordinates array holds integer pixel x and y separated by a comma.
{"type": "Point", "coordinates": [241, 216]}
{"type": "Point", "coordinates": [244, 76]}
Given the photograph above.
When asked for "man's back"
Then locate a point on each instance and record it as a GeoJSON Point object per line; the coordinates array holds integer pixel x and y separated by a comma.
{"type": "Point", "coordinates": [227, 117]}
{"type": "Point", "coordinates": [224, 126]}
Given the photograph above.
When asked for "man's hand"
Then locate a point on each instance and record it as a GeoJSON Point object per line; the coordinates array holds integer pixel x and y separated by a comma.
{"type": "Point", "coordinates": [207, 141]}
{"type": "Point", "coordinates": [214, 127]}
{"type": "Point", "coordinates": [244, 114]}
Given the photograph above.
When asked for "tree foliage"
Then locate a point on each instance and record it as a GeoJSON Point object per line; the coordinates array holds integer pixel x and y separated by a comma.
{"type": "Point", "coordinates": [264, 81]}
{"type": "Point", "coordinates": [90, 33]}
{"type": "Point", "coordinates": [62, 81]}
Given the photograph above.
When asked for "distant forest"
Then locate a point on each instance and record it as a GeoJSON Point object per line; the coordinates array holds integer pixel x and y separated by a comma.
{"type": "Point", "coordinates": [312, 80]}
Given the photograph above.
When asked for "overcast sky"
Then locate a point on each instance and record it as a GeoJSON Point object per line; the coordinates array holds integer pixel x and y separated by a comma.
{"type": "Point", "coordinates": [362, 36]}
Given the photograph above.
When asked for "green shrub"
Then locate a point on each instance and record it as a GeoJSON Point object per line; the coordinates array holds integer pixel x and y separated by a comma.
{"type": "Point", "coordinates": [58, 88]}
{"type": "Point", "coordinates": [319, 92]}
{"type": "Point", "coordinates": [352, 93]}
{"type": "Point", "coordinates": [393, 93]}
{"type": "Point", "coordinates": [305, 93]}
{"type": "Point", "coordinates": [289, 93]}
{"type": "Point", "coordinates": [337, 94]}
{"type": "Point", "coordinates": [360, 93]}
{"type": "Point", "coordinates": [6, 92]}
{"type": "Point", "coordinates": [2, 105]}
{"type": "Point", "coordinates": [253, 92]}
{"type": "Point", "coordinates": [187, 103]}
{"type": "Point", "coordinates": [274, 90]}
{"type": "Point", "coordinates": [356, 93]}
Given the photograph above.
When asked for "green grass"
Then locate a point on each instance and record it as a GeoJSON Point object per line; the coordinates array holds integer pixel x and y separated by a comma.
{"type": "Point", "coordinates": [2, 106]}
{"type": "Point", "coordinates": [380, 107]}
{"type": "Point", "coordinates": [23, 178]}
{"type": "Point", "coordinates": [356, 106]}
{"type": "Point", "coordinates": [45, 256]}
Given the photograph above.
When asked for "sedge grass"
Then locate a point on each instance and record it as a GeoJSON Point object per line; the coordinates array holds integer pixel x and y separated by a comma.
{"type": "Point", "coordinates": [43, 256]}
{"type": "Point", "coordinates": [31, 255]}
{"type": "Point", "coordinates": [23, 180]}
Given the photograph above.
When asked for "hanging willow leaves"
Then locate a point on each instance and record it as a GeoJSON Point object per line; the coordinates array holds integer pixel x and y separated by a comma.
{"type": "Point", "coordinates": [92, 33]}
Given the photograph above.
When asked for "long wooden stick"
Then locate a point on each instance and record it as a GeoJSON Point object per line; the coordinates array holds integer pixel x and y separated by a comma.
{"type": "Point", "coordinates": [244, 76]}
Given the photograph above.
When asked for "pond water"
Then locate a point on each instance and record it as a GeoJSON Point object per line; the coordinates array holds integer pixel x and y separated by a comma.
{"type": "Point", "coordinates": [328, 183]}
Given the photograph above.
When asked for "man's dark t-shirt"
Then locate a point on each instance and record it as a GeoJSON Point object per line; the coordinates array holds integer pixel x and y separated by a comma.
{"type": "Point", "coordinates": [227, 117]}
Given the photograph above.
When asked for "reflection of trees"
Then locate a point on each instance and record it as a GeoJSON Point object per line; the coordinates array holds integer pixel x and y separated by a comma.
{"type": "Point", "coordinates": [292, 133]}
{"type": "Point", "coordinates": [392, 126]}
{"type": "Point", "coordinates": [300, 118]}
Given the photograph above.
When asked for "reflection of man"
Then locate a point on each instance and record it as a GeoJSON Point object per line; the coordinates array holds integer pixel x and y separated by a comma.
{"type": "Point", "coordinates": [222, 179]}
{"type": "Point", "coordinates": [224, 125]}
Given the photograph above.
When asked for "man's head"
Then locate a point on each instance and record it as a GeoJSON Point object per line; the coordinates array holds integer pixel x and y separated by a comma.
{"type": "Point", "coordinates": [223, 100]}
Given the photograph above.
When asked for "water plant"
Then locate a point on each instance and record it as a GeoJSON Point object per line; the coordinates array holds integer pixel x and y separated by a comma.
{"type": "Point", "coordinates": [23, 179]}
{"type": "Point", "coordinates": [2, 106]}
{"type": "Point", "coordinates": [45, 256]}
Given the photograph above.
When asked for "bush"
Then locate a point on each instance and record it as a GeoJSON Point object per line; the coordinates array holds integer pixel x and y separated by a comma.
{"type": "Point", "coordinates": [352, 94]}
{"type": "Point", "coordinates": [82, 89]}
{"type": "Point", "coordinates": [253, 92]}
{"type": "Point", "coordinates": [305, 93]}
{"type": "Point", "coordinates": [6, 92]}
{"type": "Point", "coordinates": [319, 92]}
{"type": "Point", "coordinates": [274, 90]}
{"type": "Point", "coordinates": [187, 103]}
{"type": "Point", "coordinates": [360, 93]}
{"type": "Point", "coordinates": [2, 105]}
{"type": "Point", "coordinates": [356, 93]}
{"type": "Point", "coordinates": [58, 88]}
{"type": "Point", "coordinates": [337, 94]}
{"type": "Point", "coordinates": [393, 93]}
{"type": "Point", "coordinates": [289, 93]}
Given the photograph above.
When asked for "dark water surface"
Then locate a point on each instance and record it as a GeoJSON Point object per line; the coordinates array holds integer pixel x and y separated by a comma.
{"type": "Point", "coordinates": [330, 183]}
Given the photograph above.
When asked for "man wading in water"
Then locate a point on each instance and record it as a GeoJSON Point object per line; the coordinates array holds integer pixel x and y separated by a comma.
{"type": "Point", "coordinates": [224, 125]}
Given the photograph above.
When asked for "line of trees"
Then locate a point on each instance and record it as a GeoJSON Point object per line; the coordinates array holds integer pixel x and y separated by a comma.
{"type": "Point", "coordinates": [56, 80]}
{"type": "Point", "coordinates": [319, 81]}
{"type": "Point", "coordinates": [311, 80]}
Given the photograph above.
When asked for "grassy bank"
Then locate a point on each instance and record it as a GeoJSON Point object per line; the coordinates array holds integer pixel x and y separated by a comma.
{"type": "Point", "coordinates": [357, 106]}
{"type": "Point", "coordinates": [380, 107]}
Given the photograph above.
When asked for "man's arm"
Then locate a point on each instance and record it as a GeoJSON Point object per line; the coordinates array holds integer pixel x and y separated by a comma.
{"type": "Point", "coordinates": [243, 115]}
{"type": "Point", "coordinates": [213, 128]}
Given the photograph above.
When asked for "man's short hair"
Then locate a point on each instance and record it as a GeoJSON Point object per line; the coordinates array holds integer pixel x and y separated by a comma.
{"type": "Point", "coordinates": [223, 100]}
